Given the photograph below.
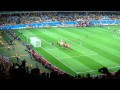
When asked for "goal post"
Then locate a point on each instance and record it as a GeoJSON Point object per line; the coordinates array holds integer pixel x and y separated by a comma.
{"type": "Point", "coordinates": [36, 42]}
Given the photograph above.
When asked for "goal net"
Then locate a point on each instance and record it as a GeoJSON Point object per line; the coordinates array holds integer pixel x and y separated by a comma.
{"type": "Point", "coordinates": [35, 41]}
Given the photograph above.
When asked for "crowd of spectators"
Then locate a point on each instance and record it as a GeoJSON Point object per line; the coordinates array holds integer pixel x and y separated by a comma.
{"type": "Point", "coordinates": [17, 71]}
{"type": "Point", "coordinates": [4, 66]}
{"type": "Point", "coordinates": [37, 17]}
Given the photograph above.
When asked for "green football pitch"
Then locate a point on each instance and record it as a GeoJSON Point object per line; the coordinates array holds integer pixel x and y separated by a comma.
{"type": "Point", "coordinates": [91, 48]}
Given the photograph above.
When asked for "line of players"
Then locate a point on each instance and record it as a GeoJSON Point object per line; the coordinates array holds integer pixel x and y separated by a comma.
{"type": "Point", "coordinates": [62, 43]}
{"type": "Point", "coordinates": [117, 31]}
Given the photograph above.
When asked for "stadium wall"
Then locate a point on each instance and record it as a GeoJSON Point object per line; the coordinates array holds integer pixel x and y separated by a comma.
{"type": "Point", "coordinates": [105, 22]}
{"type": "Point", "coordinates": [59, 24]}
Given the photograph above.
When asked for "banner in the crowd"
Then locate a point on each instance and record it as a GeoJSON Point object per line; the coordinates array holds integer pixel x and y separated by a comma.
{"type": "Point", "coordinates": [60, 24]}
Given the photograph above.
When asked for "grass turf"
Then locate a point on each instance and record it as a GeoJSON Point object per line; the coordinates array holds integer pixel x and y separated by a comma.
{"type": "Point", "coordinates": [20, 49]}
{"type": "Point", "coordinates": [98, 47]}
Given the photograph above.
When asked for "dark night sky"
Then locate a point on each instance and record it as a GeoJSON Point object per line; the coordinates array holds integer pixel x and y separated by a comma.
{"type": "Point", "coordinates": [59, 5]}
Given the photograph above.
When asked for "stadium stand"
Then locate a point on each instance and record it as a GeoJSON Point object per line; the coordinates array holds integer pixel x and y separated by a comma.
{"type": "Point", "coordinates": [43, 19]}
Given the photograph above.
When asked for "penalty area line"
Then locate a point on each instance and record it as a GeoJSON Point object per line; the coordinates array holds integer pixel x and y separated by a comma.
{"type": "Point", "coordinates": [77, 56]}
{"type": "Point", "coordinates": [77, 44]}
{"type": "Point", "coordinates": [115, 36]}
{"type": "Point", "coordinates": [97, 70]}
{"type": "Point", "coordinates": [58, 59]}
{"type": "Point", "coordinates": [61, 61]}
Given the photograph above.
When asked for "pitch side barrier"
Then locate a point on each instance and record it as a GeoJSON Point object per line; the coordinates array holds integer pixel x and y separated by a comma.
{"type": "Point", "coordinates": [58, 24]}
{"type": "Point", "coordinates": [37, 25]}
{"type": "Point", "coordinates": [105, 22]}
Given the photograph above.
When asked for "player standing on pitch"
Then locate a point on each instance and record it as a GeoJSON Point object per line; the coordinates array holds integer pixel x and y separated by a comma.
{"type": "Point", "coordinates": [51, 43]}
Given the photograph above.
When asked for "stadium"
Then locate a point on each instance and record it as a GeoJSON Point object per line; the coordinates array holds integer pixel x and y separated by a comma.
{"type": "Point", "coordinates": [60, 45]}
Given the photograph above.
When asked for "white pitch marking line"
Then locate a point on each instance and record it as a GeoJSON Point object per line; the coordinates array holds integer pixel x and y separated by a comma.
{"type": "Point", "coordinates": [59, 60]}
{"type": "Point", "coordinates": [77, 44]}
{"type": "Point", "coordinates": [115, 36]}
{"type": "Point", "coordinates": [69, 57]}
{"type": "Point", "coordinates": [97, 70]}
{"type": "Point", "coordinates": [72, 56]}
{"type": "Point", "coordinates": [77, 56]}
{"type": "Point", "coordinates": [89, 71]}
{"type": "Point", "coordinates": [113, 67]}
{"type": "Point", "coordinates": [73, 69]}
{"type": "Point", "coordinates": [56, 48]}
{"type": "Point", "coordinates": [53, 65]}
